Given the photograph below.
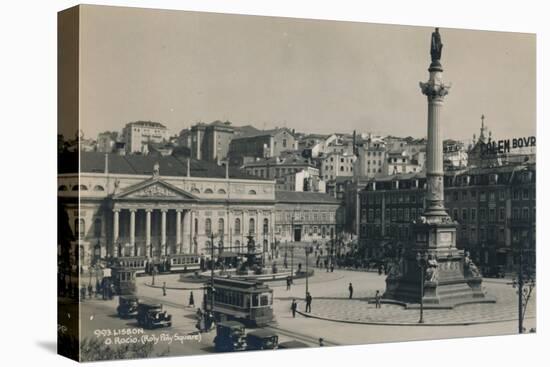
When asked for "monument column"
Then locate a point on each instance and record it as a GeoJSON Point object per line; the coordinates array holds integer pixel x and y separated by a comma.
{"type": "Point", "coordinates": [116, 212]}
{"type": "Point", "coordinates": [432, 270]}
{"type": "Point", "coordinates": [435, 90]}
{"type": "Point", "coordinates": [186, 240]}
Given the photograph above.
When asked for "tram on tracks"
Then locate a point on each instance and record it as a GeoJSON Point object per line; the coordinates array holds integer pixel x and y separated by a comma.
{"type": "Point", "coordinates": [250, 302]}
{"type": "Point", "coordinates": [176, 263]}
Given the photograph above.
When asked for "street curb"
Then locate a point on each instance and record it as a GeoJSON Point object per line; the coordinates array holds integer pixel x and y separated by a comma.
{"type": "Point", "coordinates": [379, 323]}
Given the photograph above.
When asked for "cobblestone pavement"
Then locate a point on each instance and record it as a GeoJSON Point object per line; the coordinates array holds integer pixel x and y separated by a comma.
{"type": "Point", "coordinates": [339, 308]}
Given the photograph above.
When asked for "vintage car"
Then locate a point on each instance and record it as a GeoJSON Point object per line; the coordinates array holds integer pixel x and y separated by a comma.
{"type": "Point", "coordinates": [292, 344]}
{"type": "Point", "coordinates": [261, 339]}
{"type": "Point", "coordinates": [229, 337]}
{"type": "Point", "coordinates": [127, 306]}
{"type": "Point", "coordinates": [152, 316]}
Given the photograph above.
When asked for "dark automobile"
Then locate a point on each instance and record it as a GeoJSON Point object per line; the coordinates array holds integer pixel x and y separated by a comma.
{"type": "Point", "coordinates": [127, 306]}
{"type": "Point", "coordinates": [261, 339]}
{"type": "Point", "coordinates": [494, 272]}
{"type": "Point", "coordinates": [229, 337]}
{"type": "Point", "coordinates": [292, 344]}
{"type": "Point", "coordinates": [152, 316]}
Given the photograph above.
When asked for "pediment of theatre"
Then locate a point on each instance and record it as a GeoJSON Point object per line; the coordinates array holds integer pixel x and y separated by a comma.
{"type": "Point", "coordinates": [154, 189]}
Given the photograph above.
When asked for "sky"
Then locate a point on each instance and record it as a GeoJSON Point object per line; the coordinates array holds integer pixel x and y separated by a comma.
{"type": "Point", "coordinates": [321, 76]}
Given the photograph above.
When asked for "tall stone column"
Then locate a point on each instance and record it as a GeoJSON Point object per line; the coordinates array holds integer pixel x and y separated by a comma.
{"type": "Point", "coordinates": [163, 231]}
{"type": "Point", "coordinates": [148, 232]}
{"type": "Point", "coordinates": [178, 230]}
{"type": "Point", "coordinates": [116, 212]}
{"type": "Point", "coordinates": [435, 90]}
{"type": "Point", "coordinates": [186, 239]}
{"type": "Point", "coordinates": [431, 269]}
{"type": "Point", "coordinates": [192, 233]}
{"type": "Point", "coordinates": [133, 230]}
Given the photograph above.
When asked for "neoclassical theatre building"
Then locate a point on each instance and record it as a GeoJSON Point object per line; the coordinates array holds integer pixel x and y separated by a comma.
{"type": "Point", "coordinates": [142, 205]}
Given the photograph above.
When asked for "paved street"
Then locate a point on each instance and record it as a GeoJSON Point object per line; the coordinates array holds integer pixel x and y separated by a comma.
{"type": "Point", "coordinates": [362, 323]}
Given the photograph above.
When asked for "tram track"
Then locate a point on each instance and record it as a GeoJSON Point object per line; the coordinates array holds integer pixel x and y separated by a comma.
{"type": "Point", "coordinates": [308, 339]}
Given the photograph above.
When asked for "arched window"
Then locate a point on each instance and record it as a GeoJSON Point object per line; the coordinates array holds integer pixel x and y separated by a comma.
{"type": "Point", "coordinates": [221, 229]}
{"type": "Point", "coordinates": [251, 226]}
{"type": "Point", "coordinates": [194, 190]}
{"type": "Point", "coordinates": [208, 226]}
{"type": "Point", "coordinates": [251, 192]}
{"type": "Point", "coordinates": [75, 188]}
{"type": "Point", "coordinates": [208, 191]}
{"type": "Point", "coordinates": [238, 245]}
{"type": "Point", "coordinates": [98, 188]}
{"type": "Point", "coordinates": [221, 191]}
{"type": "Point", "coordinates": [266, 226]}
{"type": "Point", "coordinates": [62, 188]}
{"type": "Point", "coordinates": [97, 228]}
{"type": "Point", "coordinates": [237, 226]}
{"type": "Point", "coordinates": [79, 225]}
{"type": "Point", "coordinates": [82, 187]}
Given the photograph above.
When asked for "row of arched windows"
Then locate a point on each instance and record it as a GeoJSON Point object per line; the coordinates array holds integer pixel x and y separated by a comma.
{"type": "Point", "coordinates": [101, 188]}
{"type": "Point", "coordinates": [195, 190]}
{"type": "Point", "coordinates": [80, 188]}
{"type": "Point", "coordinates": [236, 228]}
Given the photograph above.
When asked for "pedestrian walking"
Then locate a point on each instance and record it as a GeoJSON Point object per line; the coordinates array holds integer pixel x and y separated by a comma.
{"type": "Point", "coordinates": [350, 288]}
{"type": "Point", "coordinates": [164, 288]}
{"type": "Point", "coordinates": [191, 300]}
{"type": "Point", "coordinates": [321, 342]}
{"type": "Point", "coordinates": [294, 307]}
{"type": "Point", "coordinates": [90, 290]}
{"type": "Point", "coordinates": [377, 299]}
{"type": "Point", "coordinates": [83, 292]}
{"type": "Point", "coordinates": [308, 302]}
{"type": "Point", "coordinates": [332, 267]}
{"type": "Point", "coordinates": [288, 283]}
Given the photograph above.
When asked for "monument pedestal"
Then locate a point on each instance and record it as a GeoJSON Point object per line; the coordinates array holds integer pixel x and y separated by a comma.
{"type": "Point", "coordinates": [450, 278]}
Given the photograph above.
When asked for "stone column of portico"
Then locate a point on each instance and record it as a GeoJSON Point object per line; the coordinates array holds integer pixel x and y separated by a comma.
{"type": "Point", "coordinates": [148, 232]}
{"type": "Point", "coordinates": [116, 212]}
{"type": "Point", "coordinates": [133, 230]}
{"type": "Point", "coordinates": [163, 232]}
{"type": "Point", "coordinates": [186, 240]}
{"type": "Point", "coordinates": [178, 230]}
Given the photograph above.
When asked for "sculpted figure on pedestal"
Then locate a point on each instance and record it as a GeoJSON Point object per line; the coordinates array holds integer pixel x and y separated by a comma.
{"type": "Point", "coordinates": [470, 268]}
{"type": "Point", "coordinates": [431, 269]}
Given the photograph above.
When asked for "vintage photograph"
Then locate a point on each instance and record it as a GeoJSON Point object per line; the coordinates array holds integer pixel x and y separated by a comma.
{"type": "Point", "coordinates": [239, 183]}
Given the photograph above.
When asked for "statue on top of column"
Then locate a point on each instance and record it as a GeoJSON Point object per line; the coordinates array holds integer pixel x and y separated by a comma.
{"type": "Point", "coordinates": [436, 46]}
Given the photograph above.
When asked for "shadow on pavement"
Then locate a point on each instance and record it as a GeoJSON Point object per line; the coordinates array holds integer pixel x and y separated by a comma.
{"type": "Point", "coordinates": [48, 345]}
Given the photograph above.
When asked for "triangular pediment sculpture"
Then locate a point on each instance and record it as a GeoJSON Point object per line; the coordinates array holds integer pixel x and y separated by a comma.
{"type": "Point", "coordinates": [155, 189]}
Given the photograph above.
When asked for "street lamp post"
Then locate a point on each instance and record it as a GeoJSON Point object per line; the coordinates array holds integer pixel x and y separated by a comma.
{"type": "Point", "coordinates": [421, 261]}
{"type": "Point", "coordinates": [292, 263]}
{"type": "Point", "coordinates": [307, 272]}
{"type": "Point", "coordinates": [525, 283]}
{"type": "Point", "coordinates": [211, 271]}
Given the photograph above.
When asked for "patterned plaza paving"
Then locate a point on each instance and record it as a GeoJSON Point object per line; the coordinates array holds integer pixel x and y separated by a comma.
{"type": "Point", "coordinates": [358, 310]}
